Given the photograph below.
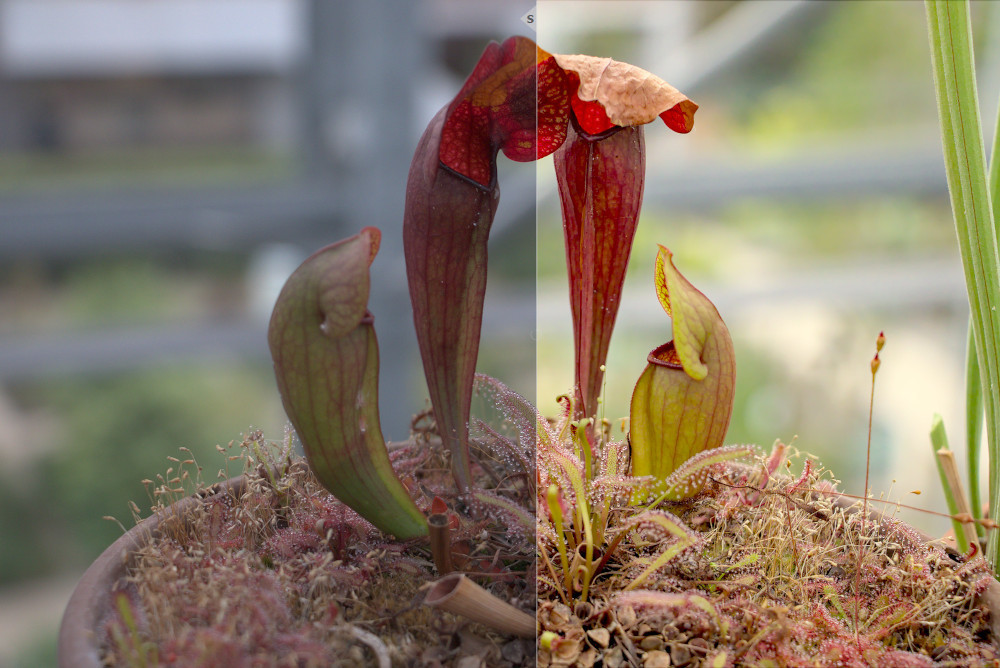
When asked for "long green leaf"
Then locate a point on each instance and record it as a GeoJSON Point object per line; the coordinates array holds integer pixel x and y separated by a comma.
{"type": "Point", "coordinates": [973, 422]}
{"type": "Point", "coordinates": [973, 380]}
{"type": "Point", "coordinates": [950, 31]}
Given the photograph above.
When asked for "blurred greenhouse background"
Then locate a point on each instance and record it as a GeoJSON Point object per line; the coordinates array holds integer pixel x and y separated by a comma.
{"type": "Point", "coordinates": [164, 166]}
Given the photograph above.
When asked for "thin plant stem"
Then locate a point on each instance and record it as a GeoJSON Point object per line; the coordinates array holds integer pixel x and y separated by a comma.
{"type": "Point", "coordinates": [974, 418]}
{"type": "Point", "coordinates": [555, 577]}
{"type": "Point", "coordinates": [864, 511]}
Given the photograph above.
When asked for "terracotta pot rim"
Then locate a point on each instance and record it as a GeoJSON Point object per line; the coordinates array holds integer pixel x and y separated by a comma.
{"type": "Point", "coordinates": [90, 602]}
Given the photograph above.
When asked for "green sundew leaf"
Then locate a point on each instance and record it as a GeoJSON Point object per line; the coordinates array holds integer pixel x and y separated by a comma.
{"type": "Point", "coordinates": [649, 600]}
{"type": "Point", "coordinates": [552, 498]}
{"type": "Point", "coordinates": [523, 521]}
{"type": "Point", "coordinates": [692, 475]}
{"type": "Point", "coordinates": [667, 524]}
{"type": "Point", "coordinates": [748, 560]}
{"type": "Point", "coordinates": [575, 477]}
{"type": "Point", "coordinates": [683, 401]}
{"type": "Point", "coordinates": [570, 467]}
{"type": "Point", "coordinates": [834, 598]}
{"type": "Point", "coordinates": [720, 660]}
{"type": "Point", "coordinates": [582, 445]}
{"type": "Point", "coordinates": [325, 357]}
{"type": "Point", "coordinates": [704, 604]}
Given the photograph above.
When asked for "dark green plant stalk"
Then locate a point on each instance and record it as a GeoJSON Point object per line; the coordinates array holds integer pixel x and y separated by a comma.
{"type": "Point", "coordinates": [950, 32]}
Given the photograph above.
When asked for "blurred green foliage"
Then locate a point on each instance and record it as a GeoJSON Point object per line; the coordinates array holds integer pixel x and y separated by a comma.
{"type": "Point", "coordinates": [843, 77]}
{"type": "Point", "coordinates": [114, 290]}
{"type": "Point", "coordinates": [797, 232]}
{"type": "Point", "coordinates": [113, 433]}
{"type": "Point", "coordinates": [118, 167]}
{"type": "Point", "coordinates": [121, 430]}
{"type": "Point", "coordinates": [38, 651]}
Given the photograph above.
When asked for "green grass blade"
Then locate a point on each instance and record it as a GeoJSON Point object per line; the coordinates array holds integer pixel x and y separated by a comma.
{"type": "Point", "coordinates": [973, 424]}
{"type": "Point", "coordinates": [939, 441]}
{"type": "Point", "coordinates": [973, 377]}
{"type": "Point", "coordinates": [950, 32]}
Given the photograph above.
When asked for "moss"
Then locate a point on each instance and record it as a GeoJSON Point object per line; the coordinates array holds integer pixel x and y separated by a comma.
{"type": "Point", "coordinates": [286, 574]}
{"type": "Point", "coordinates": [776, 576]}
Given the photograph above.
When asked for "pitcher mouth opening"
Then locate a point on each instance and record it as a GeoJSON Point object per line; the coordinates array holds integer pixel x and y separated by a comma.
{"type": "Point", "coordinates": [665, 355]}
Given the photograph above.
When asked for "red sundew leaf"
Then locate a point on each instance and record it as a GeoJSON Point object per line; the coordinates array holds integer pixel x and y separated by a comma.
{"type": "Point", "coordinates": [690, 477]}
{"type": "Point", "coordinates": [600, 183]}
{"type": "Point", "coordinates": [496, 110]}
{"type": "Point", "coordinates": [325, 354]}
{"type": "Point", "coordinates": [606, 92]}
